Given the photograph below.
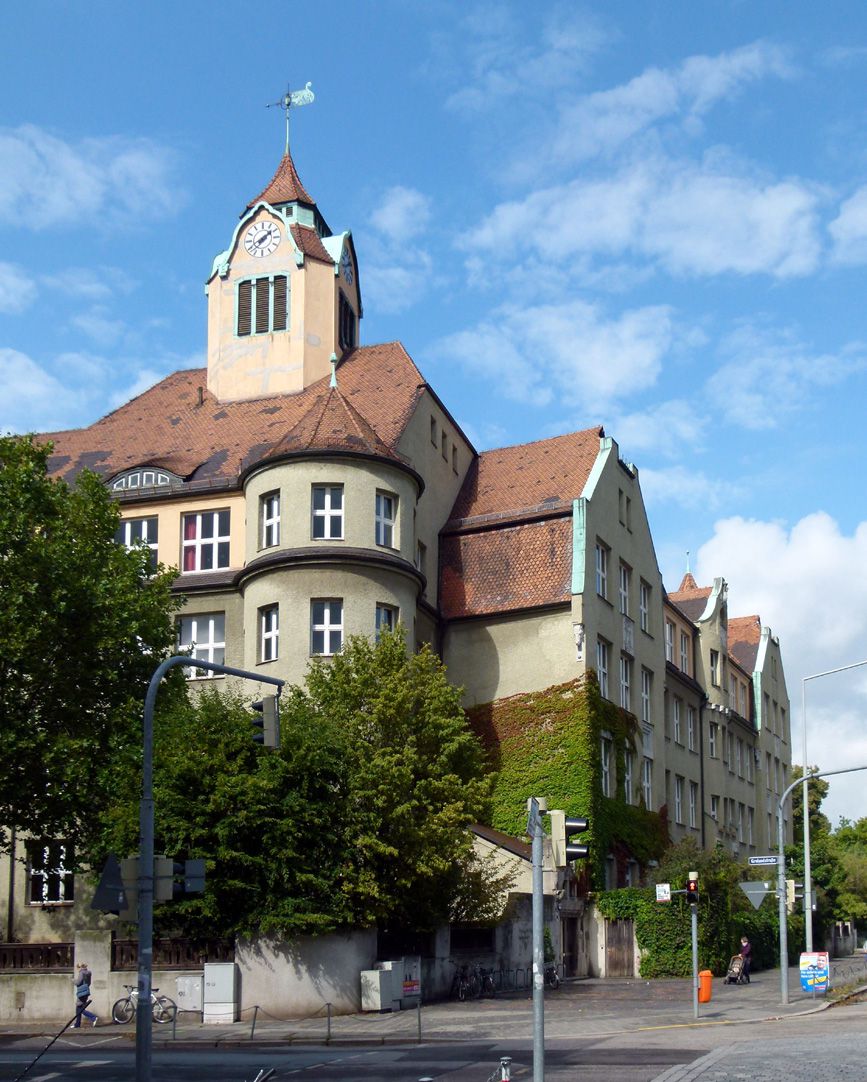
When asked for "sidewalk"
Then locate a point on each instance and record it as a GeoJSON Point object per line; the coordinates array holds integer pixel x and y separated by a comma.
{"type": "Point", "coordinates": [603, 1007]}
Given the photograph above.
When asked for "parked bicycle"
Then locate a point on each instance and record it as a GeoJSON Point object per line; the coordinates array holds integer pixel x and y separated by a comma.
{"type": "Point", "coordinates": [464, 983]}
{"type": "Point", "coordinates": [552, 977]}
{"type": "Point", "coordinates": [163, 1009]}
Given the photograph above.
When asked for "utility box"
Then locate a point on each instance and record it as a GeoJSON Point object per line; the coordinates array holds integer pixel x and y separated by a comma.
{"type": "Point", "coordinates": [220, 1004]}
{"type": "Point", "coordinates": [381, 986]}
{"type": "Point", "coordinates": [410, 985]}
{"type": "Point", "coordinates": [190, 994]}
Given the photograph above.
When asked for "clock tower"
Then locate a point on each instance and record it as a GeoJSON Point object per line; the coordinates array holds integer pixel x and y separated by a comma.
{"type": "Point", "coordinates": [282, 298]}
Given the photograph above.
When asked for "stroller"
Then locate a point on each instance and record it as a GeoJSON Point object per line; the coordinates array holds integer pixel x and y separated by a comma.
{"type": "Point", "coordinates": [735, 974]}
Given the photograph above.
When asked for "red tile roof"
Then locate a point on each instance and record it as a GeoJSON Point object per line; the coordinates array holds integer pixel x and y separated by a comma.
{"type": "Point", "coordinates": [284, 187]}
{"type": "Point", "coordinates": [690, 598]}
{"type": "Point", "coordinates": [510, 481]}
{"type": "Point", "coordinates": [309, 242]}
{"type": "Point", "coordinates": [745, 634]}
{"type": "Point", "coordinates": [511, 567]}
{"type": "Point", "coordinates": [205, 440]}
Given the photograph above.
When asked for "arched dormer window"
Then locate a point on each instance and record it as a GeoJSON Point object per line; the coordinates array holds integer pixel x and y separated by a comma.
{"type": "Point", "coordinates": [143, 477]}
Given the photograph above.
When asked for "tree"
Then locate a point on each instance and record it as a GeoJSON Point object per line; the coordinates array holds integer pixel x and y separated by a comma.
{"type": "Point", "coordinates": [358, 819]}
{"type": "Point", "coordinates": [82, 626]}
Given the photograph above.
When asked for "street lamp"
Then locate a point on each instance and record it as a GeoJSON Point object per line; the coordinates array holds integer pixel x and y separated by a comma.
{"type": "Point", "coordinates": [808, 886]}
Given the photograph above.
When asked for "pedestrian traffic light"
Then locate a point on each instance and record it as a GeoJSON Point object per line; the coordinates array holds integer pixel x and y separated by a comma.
{"type": "Point", "coordinates": [562, 828]}
{"type": "Point", "coordinates": [692, 891]}
{"type": "Point", "coordinates": [266, 719]}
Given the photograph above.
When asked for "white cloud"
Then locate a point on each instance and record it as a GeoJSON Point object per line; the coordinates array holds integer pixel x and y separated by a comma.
{"type": "Point", "coordinates": [97, 326]}
{"type": "Point", "coordinates": [88, 283]}
{"type": "Point", "coordinates": [33, 400]}
{"type": "Point", "coordinates": [690, 219]}
{"type": "Point", "coordinates": [571, 351]}
{"type": "Point", "coordinates": [684, 487]}
{"type": "Point", "coordinates": [501, 60]}
{"type": "Point", "coordinates": [602, 122]}
{"type": "Point", "coordinates": [402, 213]}
{"type": "Point", "coordinates": [806, 584]}
{"type": "Point", "coordinates": [17, 289]}
{"type": "Point", "coordinates": [849, 230]}
{"type": "Point", "coordinates": [46, 182]}
{"type": "Point", "coordinates": [768, 375]}
{"type": "Point", "coordinates": [667, 427]}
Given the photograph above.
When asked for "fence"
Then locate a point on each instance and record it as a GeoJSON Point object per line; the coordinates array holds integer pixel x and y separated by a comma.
{"type": "Point", "coordinates": [35, 957]}
{"type": "Point", "coordinates": [173, 953]}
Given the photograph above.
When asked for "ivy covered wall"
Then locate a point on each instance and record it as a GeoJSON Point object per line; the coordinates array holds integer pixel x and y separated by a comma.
{"type": "Point", "coordinates": [547, 744]}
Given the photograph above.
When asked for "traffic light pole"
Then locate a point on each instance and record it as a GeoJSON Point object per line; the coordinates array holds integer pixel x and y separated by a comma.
{"type": "Point", "coordinates": [781, 873]}
{"type": "Point", "coordinates": [536, 833]}
{"type": "Point", "coordinates": [143, 1019]}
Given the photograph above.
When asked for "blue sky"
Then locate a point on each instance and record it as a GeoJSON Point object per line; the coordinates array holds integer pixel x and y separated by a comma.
{"type": "Point", "coordinates": [652, 217]}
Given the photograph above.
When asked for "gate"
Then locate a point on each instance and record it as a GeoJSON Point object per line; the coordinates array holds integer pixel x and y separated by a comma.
{"type": "Point", "coordinates": [619, 948]}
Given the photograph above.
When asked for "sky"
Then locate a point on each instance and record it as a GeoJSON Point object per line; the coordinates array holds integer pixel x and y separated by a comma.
{"type": "Point", "coordinates": [647, 216]}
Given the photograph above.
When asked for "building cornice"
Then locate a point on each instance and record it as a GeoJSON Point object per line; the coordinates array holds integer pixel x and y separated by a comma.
{"type": "Point", "coordinates": [327, 556]}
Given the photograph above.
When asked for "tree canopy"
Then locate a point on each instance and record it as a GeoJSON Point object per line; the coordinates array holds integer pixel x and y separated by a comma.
{"type": "Point", "coordinates": [358, 819]}
{"type": "Point", "coordinates": [83, 624]}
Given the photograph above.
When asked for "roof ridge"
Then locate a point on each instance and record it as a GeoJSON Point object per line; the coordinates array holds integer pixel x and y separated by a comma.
{"type": "Point", "coordinates": [545, 439]}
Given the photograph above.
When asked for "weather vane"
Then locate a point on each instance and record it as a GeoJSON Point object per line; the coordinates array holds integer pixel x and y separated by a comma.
{"type": "Point", "coordinates": [290, 100]}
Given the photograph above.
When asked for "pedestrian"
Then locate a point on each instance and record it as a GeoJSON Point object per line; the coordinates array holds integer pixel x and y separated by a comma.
{"type": "Point", "coordinates": [82, 996]}
{"type": "Point", "coordinates": [746, 953]}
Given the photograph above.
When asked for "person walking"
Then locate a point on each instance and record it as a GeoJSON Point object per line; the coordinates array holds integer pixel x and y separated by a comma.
{"type": "Point", "coordinates": [746, 953]}
{"type": "Point", "coordinates": [82, 981]}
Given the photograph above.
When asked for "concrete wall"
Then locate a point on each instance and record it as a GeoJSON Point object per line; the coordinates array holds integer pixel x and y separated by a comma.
{"type": "Point", "coordinates": [287, 979]}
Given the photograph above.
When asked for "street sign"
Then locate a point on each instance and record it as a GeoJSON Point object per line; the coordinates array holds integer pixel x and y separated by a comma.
{"type": "Point", "coordinates": [110, 895]}
{"type": "Point", "coordinates": [663, 892]}
{"type": "Point", "coordinates": [755, 891]}
{"type": "Point", "coordinates": [774, 859]}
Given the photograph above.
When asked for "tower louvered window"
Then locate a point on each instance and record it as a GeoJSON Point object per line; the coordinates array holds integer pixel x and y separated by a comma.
{"type": "Point", "coordinates": [263, 305]}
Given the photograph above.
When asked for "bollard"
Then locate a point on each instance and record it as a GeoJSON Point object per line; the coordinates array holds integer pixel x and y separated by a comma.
{"type": "Point", "coordinates": [418, 1015]}
{"type": "Point", "coordinates": [328, 1024]}
{"type": "Point", "coordinates": [505, 1068]}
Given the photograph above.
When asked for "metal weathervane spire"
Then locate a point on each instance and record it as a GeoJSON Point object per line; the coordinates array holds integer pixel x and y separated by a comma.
{"type": "Point", "coordinates": [290, 100]}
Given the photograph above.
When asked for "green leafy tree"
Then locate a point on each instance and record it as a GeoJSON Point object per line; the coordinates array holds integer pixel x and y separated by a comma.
{"type": "Point", "coordinates": [82, 627]}
{"type": "Point", "coordinates": [358, 819]}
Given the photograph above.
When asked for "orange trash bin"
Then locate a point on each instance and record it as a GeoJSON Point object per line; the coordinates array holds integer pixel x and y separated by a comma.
{"type": "Point", "coordinates": [705, 981]}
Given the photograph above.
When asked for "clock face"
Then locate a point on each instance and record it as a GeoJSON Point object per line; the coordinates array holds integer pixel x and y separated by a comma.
{"type": "Point", "coordinates": [346, 265]}
{"type": "Point", "coordinates": [262, 238]}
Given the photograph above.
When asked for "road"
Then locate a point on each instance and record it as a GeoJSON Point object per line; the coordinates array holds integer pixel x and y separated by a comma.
{"type": "Point", "coordinates": [830, 1045]}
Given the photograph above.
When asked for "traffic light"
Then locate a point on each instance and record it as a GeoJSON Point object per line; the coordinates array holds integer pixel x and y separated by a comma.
{"type": "Point", "coordinates": [692, 891]}
{"type": "Point", "coordinates": [562, 828]}
{"type": "Point", "coordinates": [266, 718]}
{"type": "Point", "coordinates": [174, 879]}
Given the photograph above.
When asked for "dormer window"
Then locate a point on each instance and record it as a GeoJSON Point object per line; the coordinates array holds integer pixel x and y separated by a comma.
{"type": "Point", "coordinates": [142, 478]}
{"type": "Point", "coordinates": [263, 305]}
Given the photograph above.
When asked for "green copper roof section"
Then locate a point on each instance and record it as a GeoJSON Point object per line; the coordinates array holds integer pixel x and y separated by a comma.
{"type": "Point", "coordinates": [579, 544]}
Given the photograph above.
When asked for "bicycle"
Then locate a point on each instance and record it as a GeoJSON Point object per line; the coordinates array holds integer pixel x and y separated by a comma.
{"type": "Point", "coordinates": [552, 977]}
{"type": "Point", "coordinates": [163, 1009]}
{"type": "Point", "coordinates": [486, 983]}
{"type": "Point", "coordinates": [462, 983]}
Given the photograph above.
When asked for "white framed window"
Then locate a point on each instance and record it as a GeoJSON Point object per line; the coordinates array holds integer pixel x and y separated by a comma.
{"type": "Point", "coordinates": [421, 557]}
{"type": "Point", "coordinates": [628, 775]}
{"type": "Point", "coordinates": [743, 702]}
{"type": "Point", "coordinates": [714, 668]}
{"type": "Point", "coordinates": [605, 765]}
{"type": "Point", "coordinates": [644, 605]}
{"type": "Point", "coordinates": [206, 540]}
{"type": "Point", "coordinates": [739, 758]}
{"type": "Point", "coordinates": [751, 822]}
{"type": "Point", "coordinates": [262, 305]}
{"type": "Point", "coordinates": [669, 641]}
{"type": "Point", "coordinates": [326, 503]}
{"type": "Point", "coordinates": [750, 756]}
{"type": "Point", "coordinates": [647, 783]}
{"type": "Point", "coordinates": [646, 691]}
{"type": "Point", "coordinates": [326, 626]}
{"type": "Point", "coordinates": [386, 619]}
{"type": "Point", "coordinates": [203, 636]}
{"type": "Point", "coordinates": [678, 799]}
{"type": "Point", "coordinates": [712, 734]}
{"type": "Point", "coordinates": [768, 775]}
{"type": "Point", "coordinates": [132, 532]}
{"type": "Point", "coordinates": [693, 804]}
{"type": "Point", "coordinates": [675, 714]}
{"type": "Point", "coordinates": [714, 808]}
{"type": "Point", "coordinates": [269, 632]}
{"type": "Point", "coordinates": [690, 727]}
{"type": "Point", "coordinates": [684, 652]}
{"type": "Point", "coordinates": [50, 880]}
{"type": "Point", "coordinates": [731, 752]}
{"type": "Point", "coordinates": [740, 822]}
{"type": "Point", "coordinates": [602, 665]}
{"type": "Point", "coordinates": [601, 569]}
{"type": "Point", "coordinates": [385, 519]}
{"type": "Point", "coordinates": [269, 520]}
{"type": "Point", "coordinates": [625, 682]}
{"type": "Point", "coordinates": [625, 576]}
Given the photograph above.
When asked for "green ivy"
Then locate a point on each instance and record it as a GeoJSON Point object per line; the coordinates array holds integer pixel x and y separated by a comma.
{"type": "Point", "coordinates": [546, 744]}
